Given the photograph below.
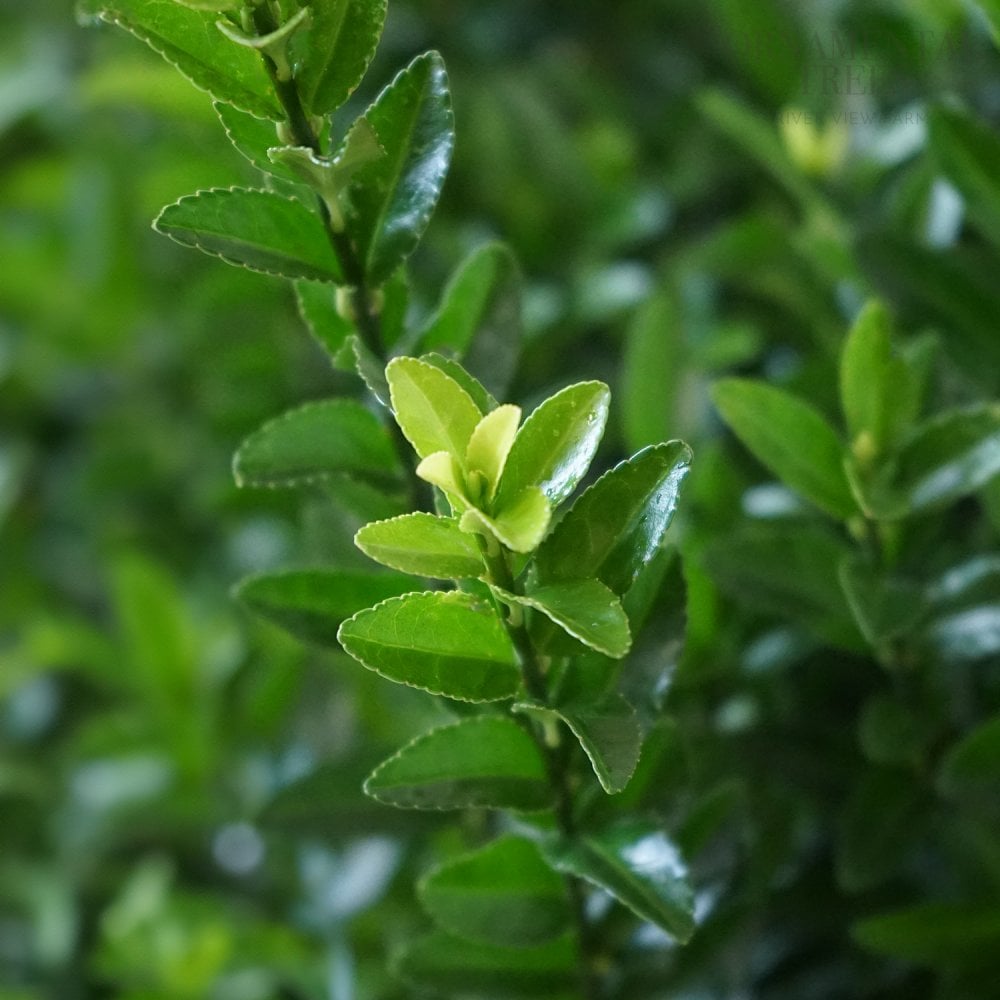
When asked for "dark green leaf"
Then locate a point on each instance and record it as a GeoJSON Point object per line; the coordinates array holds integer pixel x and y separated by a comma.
{"type": "Point", "coordinates": [312, 603]}
{"type": "Point", "coordinates": [260, 230]}
{"type": "Point", "coordinates": [884, 607]}
{"type": "Point", "coordinates": [394, 196]}
{"type": "Point", "coordinates": [972, 766]}
{"type": "Point", "coordinates": [190, 41]}
{"type": "Point", "coordinates": [890, 732]}
{"type": "Point", "coordinates": [556, 444]}
{"type": "Point", "coordinates": [639, 865]}
{"type": "Point", "coordinates": [479, 318]}
{"type": "Point", "coordinates": [253, 137]}
{"type": "Point", "coordinates": [503, 894]}
{"type": "Point", "coordinates": [342, 39]}
{"type": "Point", "coordinates": [792, 439]}
{"type": "Point", "coordinates": [318, 307]}
{"type": "Point", "coordinates": [313, 442]}
{"type": "Point", "coordinates": [422, 544]}
{"type": "Point", "coordinates": [446, 643]}
{"type": "Point", "coordinates": [488, 762]}
{"type": "Point", "coordinates": [608, 731]}
{"type": "Point", "coordinates": [617, 525]}
{"type": "Point", "coordinates": [453, 967]}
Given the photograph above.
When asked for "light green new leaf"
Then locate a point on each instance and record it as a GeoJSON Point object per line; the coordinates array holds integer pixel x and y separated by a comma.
{"type": "Point", "coordinates": [972, 765]}
{"type": "Point", "coordinates": [443, 471]}
{"type": "Point", "coordinates": [608, 731]}
{"type": "Point", "coordinates": [312, 603]}
{"type": "Point", "coordinates": [640, 866]}
{"type": "Point", "coordinates": [556, 444]}
{"type": "Point", "coordinates": [490, 444]}
{"type": "Point", "coordinates": [260, 230]}
{"type": "Point", "coordinates": [520, 526]}
{"type": "Point", "coordinates": [877, 392]}
{"type": "Point", "coordinates": [445, 643]}
{"type": "Point", "coordinates": [585, 609]}
{"type": "Point", "coordinates": [503, 894]}
{"type": "Point", "coordinates": [315, 441]}
{"type": "Point", "coordinates": [617, 525]}
{"type": "Point", "coordinates": [393, 197]}
{"type": "Point", "coordinates": [342, 39]}
{"type": "Point", "coordinates": [422, 544]}
{"type": "Point", "coordinates": [479, 318]}
{"type": "Point", "coordinates": [452, 967]}
{"type": "Point", "coordinates": [318, 308]}
{"type": "Point", "coordinates": [189, 40]}
{"type": "Point", "coordinates": [482, 398]}
{"type": "Point", "coordinates": [487, 762]}
{"type": "Point", "coordinates": [433, 411]}
{"type": "Point", "coordinates": [792, 439]}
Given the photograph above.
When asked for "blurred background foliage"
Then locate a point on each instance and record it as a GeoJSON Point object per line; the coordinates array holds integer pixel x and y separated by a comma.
{"type": "Point", "coordinates": [692, 191]}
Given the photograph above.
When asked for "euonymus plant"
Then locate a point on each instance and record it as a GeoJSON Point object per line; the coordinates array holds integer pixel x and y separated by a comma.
{"type": "Point", "coordinates": [532, 637]}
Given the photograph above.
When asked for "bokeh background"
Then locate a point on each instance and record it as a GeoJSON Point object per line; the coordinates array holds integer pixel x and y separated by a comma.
{"type": "Point", "coordinates": [693, 189]}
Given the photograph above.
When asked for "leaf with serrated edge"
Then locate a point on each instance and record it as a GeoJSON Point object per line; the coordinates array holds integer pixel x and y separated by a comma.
{"type": "Point", "coordinates": [503, 894]}
{"type": "Point", "coordinates": [639, 865]}
{"type": "Point", "coordinates": [556, 444]}
{"type": "Point", "coordinates": [449, 644]}
{"type": "Point", "coordinates": [318, 309]}
{"type": "Point", "coordinates": [314, 441]}
{"type": "Point", "coordinates": [480, 396]}
{"type": "Point", "coordinates": [189, 40]}
{"type": "Point", "coordinates": [259, 230]}
{"type": "Point", "coordinates": [488, 762]}
{"type": "Point", "coordinates": [585, 609]}
{"type": "Point", "coordinates": [491, 442]}
{"type": "Point", "coordinates": [394, 196]}
{"type": "Point", "coordinates": [252, 137]}
{"type": "Point", "coordinates": [608, 731]}
{"type": "Point", "coordinates": [422, 544]}
{"type": "Point", "coordinates": [618, 523]}
{"type": "Point", "coordinates": [433, 411]}
{"type": "Point", "coordinates": [520, 526]}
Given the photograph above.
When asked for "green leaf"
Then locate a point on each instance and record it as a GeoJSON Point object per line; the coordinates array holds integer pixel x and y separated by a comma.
{"type": "Point", "coordinates": [792, 439]}
{"type": "Point", "coordinates": [252, 137]}
{"type": "Point", "coordinates": [891, 733]}
{"type": "Point", "coordinates": [259, 230]}
{"type": "Point", "coordinates": [935, 934]}
{"type": "Point", "coordinates": [878, 395]}
{"type": "Point", "coordinates": [946, 458]}
{"type": "Point", "coordinates": [479, 317]}
{"type": "Point", "coordinates": [490, 445]}
{"type": "Point", "coordinates": [452, 967]}
{"type": "Point", "coordinates": [342, 40]}
{"type": "Point", "coordinates": [883, 607]}
{"type": "Point", "coordinates": [312, 603]}
{"type": "Point", "coordinates": [318, 308]}
{"type": "Point", "coordinates": [639, 865]}
{"type": "Point", "coordinates": [520, 526]}
{"type": "Point", "coordinates": [483, 399]}
{"type": "Point", "coordinates": [616, 526]}
{"type": "Point", "coordinates": [422, 544]}
{"type": "Point", "coordinates": [503, 894]}
{"type": "Point", "coordinates": [189, 40]}
{"type": "Point", "coordinates": [312, 442]}
{"type": "Point", "coordinates": [972, 766]}
{"type": "Point", "coordinates": [967, 152]}
{"type": "Point", "coordinates": [433, 411]}
{"type": "Point", "coordinates": [445, 643]}
{"type": "Point", "coordinates": [394, 196]}
{"type": "Point", "coordinates": [584, 609]}
{"type": "Point", "coordinates": [556, 444]}
{"type": "Point", "coordinates": [608, 731]}
{"type": "Point", "coordinates": [488, 762]}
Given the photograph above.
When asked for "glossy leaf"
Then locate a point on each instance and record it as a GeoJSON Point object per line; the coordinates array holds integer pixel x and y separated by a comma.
{"type": "Point", "coordinates": [972, 766]}
{"type": "Point", "coordinates": [487, 762]}
{"type": "Point", "coordinates": [584, 609]}
{"type": "Point", "coordinates": [433, 411]}
{"type": "Point", "coordinates": [445, 643]}
{"type": "Point", "coordinates": [259, 230]}
{"type": "Point", "coordinates": [556, 444]}
{"type": "Point", "coordinates": [318, 308]}
{"type": "Point", "coordinates": [343, 35]}
{"type": "Point", "coordinates": [312, 603]}
{"type": "Point", "coordinates": [424, 545]}
{"type": "Point", "coordinates": [252, 137]}
{"type": "Point", "coordinates": [313, 442]}
{"type": "Point", "coordinates": [452, 967]}
{"type": "Point", "coordinates": [520, 526]}
{"type": "Point", "coordinates": [638, 864]}
{"type": "Point", "coordinates": [792, 439]}
{"type": "Point", "coordinates": [616, 526]}
{"type": "Point", "coordinates": [394, 196]}
{"type": "Point", "coordinates": [189, 40]}
{"type": "Point", "coordinates": [479, 317]}
{"type": "Point", "coordinates": [479, 394]}
{"type": "Point", "coordinates": [490, 445]}
{"type": "Point", "coordinates": [503, 894]}
{"type": "Point", "coordinates": [609, 732]}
